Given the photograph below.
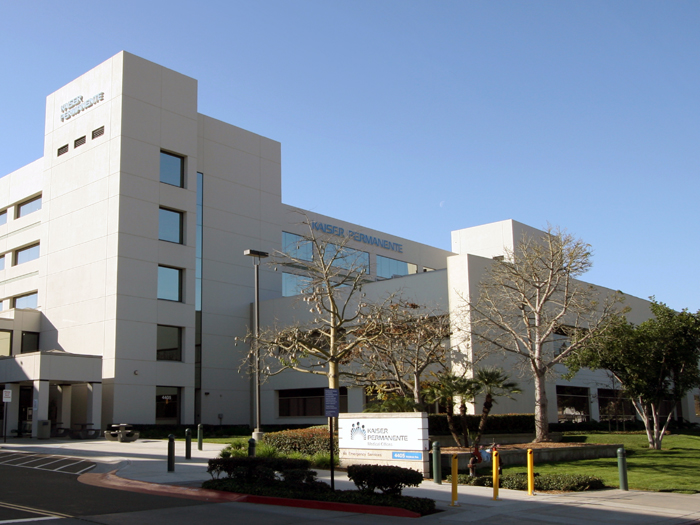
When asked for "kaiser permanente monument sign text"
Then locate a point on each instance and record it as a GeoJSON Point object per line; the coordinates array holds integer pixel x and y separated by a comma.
{"type": "Point", "coordinates": [399, 438]}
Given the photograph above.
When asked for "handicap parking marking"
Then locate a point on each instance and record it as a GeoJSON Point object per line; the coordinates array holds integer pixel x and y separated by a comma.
{"type": "Point", "coordinates": [48, 462]}
{"type": "Point", "coordinates": [16, 513]}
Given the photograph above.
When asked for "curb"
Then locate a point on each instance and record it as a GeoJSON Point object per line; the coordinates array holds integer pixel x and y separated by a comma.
{"type": "Point", "coordinates": [112, 481]}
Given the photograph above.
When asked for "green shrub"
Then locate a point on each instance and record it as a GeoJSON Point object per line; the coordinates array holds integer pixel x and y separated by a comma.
{"type": "Point", "coordinates": [247, 468]}
{"type": "Point", "coordinates": [263, 450]}
{"type": "Point", "coordinates": [319, 491]}
{"type": "Point", "coordinates": [389, 479]}
{"type": "Point", "coordinates": [563, 482]}
{"type": "Point", "coordinates": [322, 460]}
{"type": "Point", "coordinates": [308, 441]}
{"type": "Point", "coordinates": [495, 424]}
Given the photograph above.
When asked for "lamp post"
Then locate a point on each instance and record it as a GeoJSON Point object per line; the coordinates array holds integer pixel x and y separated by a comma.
{"type": "Point", "coordinates": [257, 256]}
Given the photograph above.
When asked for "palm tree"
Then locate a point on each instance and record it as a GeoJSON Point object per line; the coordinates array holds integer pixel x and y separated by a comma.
{"type": "Point", "coordinates": [493, 382]}
{"type": "Point", "coordinates": [445, 390]}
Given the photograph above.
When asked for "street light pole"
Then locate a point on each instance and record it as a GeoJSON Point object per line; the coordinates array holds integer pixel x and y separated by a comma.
{"type": "Point", "coordinates": [257, 256]}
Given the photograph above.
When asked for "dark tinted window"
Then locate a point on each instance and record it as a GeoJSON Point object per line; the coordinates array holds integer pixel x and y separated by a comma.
{"type": "Point", "coordinates": [172, 169]}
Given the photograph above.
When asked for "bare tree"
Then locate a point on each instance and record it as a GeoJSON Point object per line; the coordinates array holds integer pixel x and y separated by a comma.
{"type": "Point", "coordinates": [411, 340]}
{"type": "Point", "coordinates": [331, 276]}
{"type": "Point", "coordinates": [532, 306]}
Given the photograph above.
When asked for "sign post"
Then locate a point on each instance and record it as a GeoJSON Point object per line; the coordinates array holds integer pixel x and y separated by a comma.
{"type": "Point", "coordinates": [332, 403]}
{"type": "Point", "coordinates": [6, 398]}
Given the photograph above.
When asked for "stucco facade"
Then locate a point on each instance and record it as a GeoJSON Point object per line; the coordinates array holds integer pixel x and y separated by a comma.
{"type": "Point", "coordinates": [124, 284]}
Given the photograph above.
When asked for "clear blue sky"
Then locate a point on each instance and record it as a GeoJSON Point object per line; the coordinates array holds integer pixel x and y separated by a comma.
{"type": "Point", "coordinates": [421, 117]}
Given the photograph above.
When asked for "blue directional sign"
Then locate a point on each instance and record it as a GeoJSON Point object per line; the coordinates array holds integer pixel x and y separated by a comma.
{"type": "Point", "coordinates": [332, 401]}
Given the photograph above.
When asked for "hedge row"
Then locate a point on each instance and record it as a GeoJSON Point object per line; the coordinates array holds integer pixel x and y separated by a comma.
{"type": "Point", "coordinates": [308, 441]}
{"type": "Point", "coordinates": [496, 424]}
{"type": "Point", "coordinates": [421, 506]}
{"type": "Point", "coordinates": [563, 482]}
{"type": "Point", "coordinates": [388, 478]}
{"type": "Point", "coordinates": [287, 478]}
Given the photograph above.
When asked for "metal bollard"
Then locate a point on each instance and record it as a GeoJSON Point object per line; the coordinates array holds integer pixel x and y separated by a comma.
{"type": "Point", "coordinates": [495, 460]}
{"type": "Point", "coordinates": [171, 453]}
{"type": "Point", "coordinates": [251, 448]}
{"type": "Point", "coordinates": [200, 436]}
{"type": "Point", "coordinates": [622, 467]}
{"type": "Point", "coordinates": [530, 472]}
{"type": "Point", "coordinates": [188, 443]}
{"type": "Point", "coordinates": [437, 463]}
{"type": "Point", "coordinates": [455, 480]}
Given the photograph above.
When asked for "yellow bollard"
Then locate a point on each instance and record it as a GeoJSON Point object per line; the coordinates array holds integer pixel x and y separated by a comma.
{"type": "Point", "coordinates": [494, 459]}
{"type": "Point", "coordinates": [455, 473]}
{"type": "Point", "coordinates": [530, 472]}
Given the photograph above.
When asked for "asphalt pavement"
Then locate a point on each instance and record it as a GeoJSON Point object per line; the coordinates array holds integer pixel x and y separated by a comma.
{"type": "Point", "coordinates": [142, 466]}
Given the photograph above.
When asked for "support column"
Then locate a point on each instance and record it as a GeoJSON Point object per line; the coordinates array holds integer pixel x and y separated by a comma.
{"type": "Point", "coordinates": [593, 403]}
{"type": "Point", "coordinates": [187, 405]}
{"type": "Point", "coordinates": [94, 405]}
{"type": "Point", "coordinates": [40, 404]}
{"type": "Point", "coordinates": [12, 409]}
{"type": "Point", "coordinates": [64, 415]}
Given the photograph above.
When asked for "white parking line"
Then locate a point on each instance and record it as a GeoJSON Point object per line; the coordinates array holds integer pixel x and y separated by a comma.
{"type": "Point", "coordinates": [27, 520]}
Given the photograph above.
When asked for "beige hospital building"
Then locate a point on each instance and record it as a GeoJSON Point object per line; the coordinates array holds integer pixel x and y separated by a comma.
{"type": "Point", "coordinates": [123, 279]}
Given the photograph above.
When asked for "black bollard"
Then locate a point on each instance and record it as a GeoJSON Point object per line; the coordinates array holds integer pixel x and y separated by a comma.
{"type": "Point", "coordinates": [437, 463]}
{"type": "Point", "coordinates": [622, 467]}
{"type": "Point", "coordinates": [200, 436]}
{"type": "Point", "coordinates": [171, 453]}
{"type": "Point", "coordinates": [251, 448]}
{"type": "Point", "coordinates": [188, 443]}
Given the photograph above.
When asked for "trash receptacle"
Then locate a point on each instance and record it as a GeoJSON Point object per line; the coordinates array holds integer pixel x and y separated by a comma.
{"type": "Point", "coordinates": [43, 430]}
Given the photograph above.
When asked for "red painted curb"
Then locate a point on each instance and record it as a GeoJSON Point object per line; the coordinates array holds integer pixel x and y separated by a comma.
{"type": "Point", "coordinates": [112, 481]}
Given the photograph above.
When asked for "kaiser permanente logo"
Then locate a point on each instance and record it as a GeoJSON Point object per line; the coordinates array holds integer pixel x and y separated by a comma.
{"type": "Point", "coordinates": [375, 436]}
{"type": "Point", "coordinates": [75, 106]}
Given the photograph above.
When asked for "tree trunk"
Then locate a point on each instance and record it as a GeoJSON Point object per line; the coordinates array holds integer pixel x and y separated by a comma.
{"type": "Point", "coordinates": [541, 417]}
{"type": "Point", "coordinates": [463, 419]}
{"type": "Point", "coordinates": [486, 409]}
{"type": "Point", "coordinates": [451, 423]}
{"type": "Point", "coordinates": [333, 377]}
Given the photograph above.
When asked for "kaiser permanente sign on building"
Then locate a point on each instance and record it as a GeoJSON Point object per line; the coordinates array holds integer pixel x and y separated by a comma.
{"type": "Point", "coordinates": [385, 439]}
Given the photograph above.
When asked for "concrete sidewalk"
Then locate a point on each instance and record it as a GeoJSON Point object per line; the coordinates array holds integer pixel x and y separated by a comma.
{"type": "Point", "coordinates": [145, 460]}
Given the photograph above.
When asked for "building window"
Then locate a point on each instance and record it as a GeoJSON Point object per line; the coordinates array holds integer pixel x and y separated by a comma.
{"type": "Point", "coordinates": [26, 301]}
{"type": "Point", "coordinates": [169, 343]}
{"type": "Point", "coordinates": [98, 132]}
{"type": "Point", "coordinates": [170, 226]}
{"type": "Point", "coordinates": [27, 254]}
{"type": "Point", "coordinates": [2, 262]}
{"type": "Point", "coordinates": [614, 406]}
{"type": "Point", "coordinates": [307, 402]}
{"type": "Point", "coordinates": [29, 207]}
{"type": "Point", "coordinates": [388, 268]}
{"type": "Point", "coordinates": [62, 150]}
{"type": "Point", "coordinates": [172, 169]}
{"type": "Point", "coordinates": [30, 342]}
{"type": "Point", "coordinates": [572, 404]}
{"type": "Point", "coordinates": [5, 342]}
{"type": "Point", "coordinates": [79, 142]}
{"type": "Point", "coordinates": [297, 246]}
{"type": "Point", "coordinates": [293, 284]}
{"type": "Point", "coordinates": [167, 405]}
{"type": "Point", "coordinates": [3, 217]}
{"type": "Point", "coordinates": [169, 283]}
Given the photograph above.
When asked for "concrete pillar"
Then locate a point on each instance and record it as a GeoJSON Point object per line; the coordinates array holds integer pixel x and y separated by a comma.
{"type": "Point", "coordinates": [594, 404]}
{"type": "Point", "coordinates": [64, 415]}
{"type": "Point", "coordinates": [12, 409]}
{"type": "Point", "coordinates": [187, 406]}
{"type": "Point", "coordinates": [40, 404]}
{"type": "Point", "coordinates": [94, 405]}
